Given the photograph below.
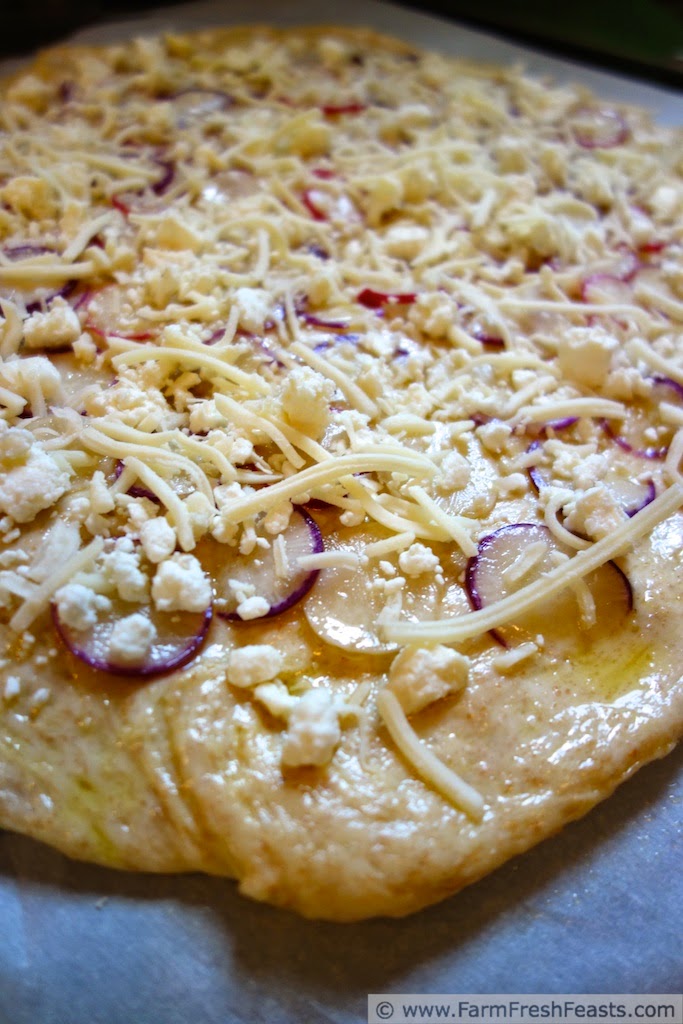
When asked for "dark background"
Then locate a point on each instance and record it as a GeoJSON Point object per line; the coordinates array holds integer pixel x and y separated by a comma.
{"type": "Point", "coordinates": [641, 37]}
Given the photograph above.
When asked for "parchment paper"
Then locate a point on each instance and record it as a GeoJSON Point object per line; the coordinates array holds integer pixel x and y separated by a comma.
{"type": "Point", "coordinates": [596, 909]}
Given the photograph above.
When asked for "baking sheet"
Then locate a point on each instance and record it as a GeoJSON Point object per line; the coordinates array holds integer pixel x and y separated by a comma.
{"type": "Point", "coordinates": [596, 909]}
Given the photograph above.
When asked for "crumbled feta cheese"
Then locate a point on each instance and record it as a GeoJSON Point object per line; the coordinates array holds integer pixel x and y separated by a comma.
{"type": "Point", "coordinates": [252, 608]}
{"type": "Point", "coordinates": [29, 195]}
{"type": "Point", "coordinates": [420, 676]}
{"type": "Point", "coordinates": [131, 640]}
{"type": "Point", "coordinates": [493, 435]}
{"type": "Point", "coordinates": [85, 349]}
{"type": "Point", "coordinates": [79, 606]}
{"type": "Point", "coordinates": [12, 687]}
{"type": "Point", "coordinates": [664, 202]}
{"type": "Point", "coordinates": [454, 473]}
{"type": "Point", "coordinates": [180, 585]}
{"type": "Point", "coordinates": [15, 444]}
{"type": "Point", "coordinates": [158, 539]}
{"type": "Point", "coordinates": [204, 416]}
{"type": "Point", "coordinates": [254, 305]}
{"type": "Point", "coordinates": [29, 488]}
{"type": "Point", "coordinates": [57, 327]}
{"type": "Point", "coordinates": [510, 485]}
{"type": "Point", "coordinates": [383, 194]}
{"type": "Point", "coordinates": [596, 513]}
{"type": "Point", "coordinates": [306, 397]}
{"type": "Point", "coordinates": [277, 518]}
{"type": "Point", "coordinates": [276, 698]}
{"type": "Point", "coordinates": [313, 731]}
{"type": "Point", "coordinates": [101, 500]}
{"type": "Point", "coordinates": [122, 568]}
{"type": "Point", "coordinates": [585, 355]}
{"type": "Point", "coordinates": [256, 663]}
{"type": "Point", "coordinates": [434, 314]}
{"type": "Point", "coordinates": [405, 241]}
{"type": "Point", "coordinates": [200, 513]}
{"type": "Point", "coordinates": [418, 559]}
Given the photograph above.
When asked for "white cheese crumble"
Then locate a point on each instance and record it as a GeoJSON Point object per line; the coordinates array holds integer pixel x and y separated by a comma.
{"type": "Point", "coordinates": [180, 585]}
{"type": "Point", "coordinates": [32, 487]}
{"type": "Point", "coordinates": [256, 663]}
{"type": "Point", "coordinates": [252, 608]}
{"type": "Point", "coordinates": [79, 606]}
{"type": "Point", "coordinates": [131, 640]}
{"type": "Point", "coordinates": [418, 560]}
{"type": "Point", "coordinates": [313, 730]}
{"type": "Point", "coordinates": [306, 397]}
{"type": "Point", "coordinates": [420, 676]}
{"type": "Point", "coordinates": [122, 568]}
{"type": "Point", "coordinates": [56, 328]}
{"type": "Point", "coordinates": [158, 539]}
{"type": "Point", "coordinates": [254, 306]}
{"type": "Point", "coordinates": [585, 355]}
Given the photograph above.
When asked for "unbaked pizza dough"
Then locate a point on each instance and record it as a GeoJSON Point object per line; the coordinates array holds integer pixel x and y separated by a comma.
{"type": "Point", "coordinates": [341, 396]}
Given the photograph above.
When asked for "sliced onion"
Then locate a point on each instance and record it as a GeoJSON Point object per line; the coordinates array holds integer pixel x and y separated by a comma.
{"type": "Point", "coordinates": [179, 637]}
{"type": "Point", "coordinates": [373, 299]}
{"type": "Point", "coordinates": [257, 572]}
{"type": "Point", "coordinates": [558, 620]}
{"type": "Point", "coordinates": [599, 128]}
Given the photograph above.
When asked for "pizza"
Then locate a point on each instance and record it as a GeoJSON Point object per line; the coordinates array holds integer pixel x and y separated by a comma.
{"type": "Point", "coordinates": [341, 426]}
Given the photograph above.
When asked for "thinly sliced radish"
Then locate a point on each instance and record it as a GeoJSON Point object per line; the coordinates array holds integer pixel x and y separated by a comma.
{"type": "Point", "coordinates": [633, 437]}
{"type": "Point", "coordinates": [518, 554]}
{"type": "Point", "coordinates": [606, 289]}
{"type": "Point", "coordinates": [343, 611]}
{"type": "Point", "coordinates": [271, 574]}
{"type": "Point", "coordinates": [336, 109]}
{"type": "Point", "coordinates": [178, 638]}
{"type": "Point", "coordinates": [630, 493]}
{"type": "Point", "coordinates": [599, 128]}
{"type": "Point", "coordinates": [373, 299]}
{"type": "Point", "coordinates": [351, 602]}
{"type": "Point", "coordinates": [136, 491]}
{"type": "Point", "coordinates": [36, 298]}
{"type": "Point", "coordinates": [198, 104]}
{"type": "Point", "coordinates": [103, 312]}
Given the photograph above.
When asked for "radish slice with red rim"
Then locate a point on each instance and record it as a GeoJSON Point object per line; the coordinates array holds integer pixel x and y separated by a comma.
{"type": "Point", "coordinates": [177, 638]}
{"type": "Point", "coordinates": [632, 495]}
{"type": "Point", "coordinates": [599, 128]}
{"type": "Point", "coordinates": [198, 104]}
{"type": "Point", "coordinates": [37, 298]}
{"type": "Point", "coordinates": [634, 441]}
{"type": "Point", "coordinates": [606, 288]}
{"type": "Point", "coordinates": [518, 554]}
{"type": "Point", "coordinates": [271, 573]}
{"type": "Point", "coordinates": [136, 491]}
{"type": "Point", "coordinates": [102, 312]}
{"type": "Point", "coordinates": [373, 299]}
